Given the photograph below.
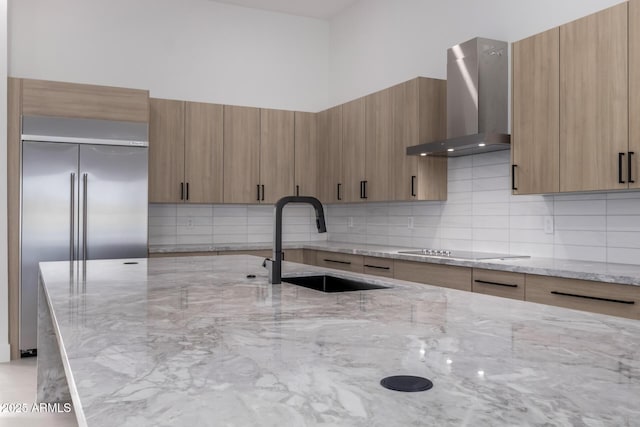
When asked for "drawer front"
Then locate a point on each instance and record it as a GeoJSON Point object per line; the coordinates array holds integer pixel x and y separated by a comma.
{"type": "Point", "coordinates": [434, 274]}
{"type": "Point", "coordinates": [309, 257]}
{"type": "Point", "coordinates": [498, 283]}
{"type": "Point", "coordinates": [339, 261]}
{"type": "Point", "coordinates": [293, 255]}
{"type": "Point", "coordinates": [378, 266]}
{"type": "Point", "coordinates": [596, 297]}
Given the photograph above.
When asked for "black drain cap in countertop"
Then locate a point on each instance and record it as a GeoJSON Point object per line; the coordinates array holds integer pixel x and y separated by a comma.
{"type": "Point", "coordinates": [406, 383]}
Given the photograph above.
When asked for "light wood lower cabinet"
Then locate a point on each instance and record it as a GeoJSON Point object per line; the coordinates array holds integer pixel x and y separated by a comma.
{"type": "Point", "coordinates": [498, 283]}
{"type": "Point", "coordinates": [340, 261]}
{"type": "Point", "coordinates": [434, 274]}
{"type": "Point", "coordinates": [596, 297]}
{"type": "Point", "coordinates": [294, 255]}
{"type": "Point", "coordinates": [309, 257]}
{"type": "Point", "coordinates": [379, 266]}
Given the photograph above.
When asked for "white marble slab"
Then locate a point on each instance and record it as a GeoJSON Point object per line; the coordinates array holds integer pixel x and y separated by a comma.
{"type": "Point", "coordinates": [626, 274]}
{"type": "Point", "coordinates": [192, 341]}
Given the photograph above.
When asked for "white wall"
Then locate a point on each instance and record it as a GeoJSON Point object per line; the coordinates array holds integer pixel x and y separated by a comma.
{"type": "Point", "coordinates": [377, 43]}
{"type": "Point", "coordinates": [197, 50]}
{"type": "Point", "coordinates": [481, 214]}
{"type": "Point", "coordinates": [4, 298]}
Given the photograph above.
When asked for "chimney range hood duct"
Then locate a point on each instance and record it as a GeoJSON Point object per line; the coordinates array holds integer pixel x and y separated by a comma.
{"type": "Point", "coordinates": [477, 101]}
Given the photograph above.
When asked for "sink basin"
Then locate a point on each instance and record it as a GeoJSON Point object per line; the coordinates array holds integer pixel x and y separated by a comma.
{"type": "Point", "coordinates": [331, 283]}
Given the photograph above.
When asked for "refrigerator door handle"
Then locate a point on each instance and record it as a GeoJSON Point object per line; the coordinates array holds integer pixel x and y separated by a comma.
{"type": "Point", "coordinates": [72, 217]}
{"type": "Point", "coordinates": [84, 217]}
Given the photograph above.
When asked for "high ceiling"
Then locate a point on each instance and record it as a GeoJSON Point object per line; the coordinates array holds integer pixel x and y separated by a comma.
{"type": "Point", "coordinates": [321, 9]}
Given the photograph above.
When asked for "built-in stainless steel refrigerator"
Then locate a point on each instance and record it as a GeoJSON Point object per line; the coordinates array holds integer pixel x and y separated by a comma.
{"type": "Point", "coordinates": [84, 197]}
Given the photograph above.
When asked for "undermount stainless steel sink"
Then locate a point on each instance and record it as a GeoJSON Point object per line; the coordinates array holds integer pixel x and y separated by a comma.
{"type": "Point", "coordinates": [327, 283]}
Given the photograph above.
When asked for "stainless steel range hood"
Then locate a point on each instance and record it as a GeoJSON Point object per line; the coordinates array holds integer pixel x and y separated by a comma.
{"type": "Point", "coordinates": [477, 101]}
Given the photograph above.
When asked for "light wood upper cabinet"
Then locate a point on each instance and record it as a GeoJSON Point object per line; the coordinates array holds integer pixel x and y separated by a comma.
{"type": "Point", "coordinates": [535, 143]}
{"type": "Point", "coordinates": [241, 154]}
{"type": "Point", "coordinates": [353, 150]}
{"type": "Point", "coordinates": [203, 152]}
{"type": "Point", "coordinates": [330, 180]}
{"type": "Point", "coordinates": [276, 154]}
{"type": "Point", "coordinates": [594, 101]}
{"type": "Point", "coordinates": [634, 94]}
{"type": "Point", "coordinates": [419, 115]}
{"type": "Point", "coordinates": [306, 154]}
{"type": "Point", "coordinates": [185, 152]}
{"type": "Point", "coordinates": [379, 145]}
{"type": "Point", "coordinates": [47, 98]}
{"type": "Point", "coordinates": [166, 151]}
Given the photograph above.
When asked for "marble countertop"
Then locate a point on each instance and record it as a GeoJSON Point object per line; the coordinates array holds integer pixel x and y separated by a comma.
{"type": "Point", "coordinates": [626, 274]}
{"type": "Point", "coordinates": [194, 341]}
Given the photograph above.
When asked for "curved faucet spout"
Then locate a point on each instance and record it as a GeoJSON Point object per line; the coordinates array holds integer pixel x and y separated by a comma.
{"type": "Point", "coordinates": [275, 264]}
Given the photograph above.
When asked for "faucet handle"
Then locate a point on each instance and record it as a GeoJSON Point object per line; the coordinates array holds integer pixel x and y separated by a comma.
{"type": "Point", "coordinates": [264, 263]}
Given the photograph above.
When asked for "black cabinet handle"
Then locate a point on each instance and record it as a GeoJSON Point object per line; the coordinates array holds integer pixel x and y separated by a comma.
{"type": "Point", "coordinates": [630, 165]}
{"type": "Point", "coordinates": [508, 285]}
{"type": "Point", "coordinates": [337, 262]}
{"type": "Point", "coordinates": [378, 267]}
{"type": "Point", "coordinates": [258, 188]}
{"type": "Point", "coordinates": [339, 196]}
{"type": "Point", "coordinates": [361, 190]}
{"type": "Point", "coordinates": [182, 191]}
{"type": "Point", "coordinates": [413, 186]}
{"type": "Point", "coordinates": [297, 190]}
{"type": "Point", "coordinates": [262, 193]}
{"type": "Point", "coordinates": [513, 177]}
{"type": "Point", "coordinates": [619, 301]}
{"type": "Point", "coordinates": [187, 197]}
{"type": "Point", "coordinates": [620, 159]}
{"type": "Point", "coordinates": [364, 189]}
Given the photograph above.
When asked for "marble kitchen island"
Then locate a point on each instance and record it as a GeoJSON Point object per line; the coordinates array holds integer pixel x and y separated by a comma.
{"type": "Point", "coordinates": [193, 341]}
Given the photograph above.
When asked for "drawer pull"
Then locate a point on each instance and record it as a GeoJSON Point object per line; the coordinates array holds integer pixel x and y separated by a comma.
{"type": "Point", "coordinates": [337, 262]}
{"type": "Point", "coordinates": [508, 285]}
{"type": "Point", "coordinates": [377, 266]}
{"type": "Point", "coordinates": [619, 301]}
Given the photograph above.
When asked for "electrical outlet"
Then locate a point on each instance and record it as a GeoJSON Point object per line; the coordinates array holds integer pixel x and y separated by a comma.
{"type": "Point", "coordinates": [410, 223]}
{"type": "Point", "coordinates": [350, 223]}
{"type": "Point", "coordinates": [548, 225]}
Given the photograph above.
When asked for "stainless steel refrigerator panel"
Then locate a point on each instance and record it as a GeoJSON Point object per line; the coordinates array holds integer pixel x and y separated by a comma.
{"type": "Point", "coordinates": [113, 202]}
{"type": "Point", "coordinates": [49, 192]}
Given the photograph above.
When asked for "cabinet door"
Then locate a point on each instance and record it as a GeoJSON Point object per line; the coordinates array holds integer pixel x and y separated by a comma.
{"type": "Point", "coordinates": [203, 153]}
{"type": "Point", "coordinates": [241, 154]}
{"type": "Point", "coordinates": [634, 94]}
{"type": "Point", "coordinates": [330, 181]}
{"type": "Point", "coordinates": [166, 151]}
{"type": "Point", "coordinates": [379, 143]}
{"type": "Point", "coordinates": [432, 123]}
{"type": "Point", "coordinates": [276, 154]}
{"type": "Point", "coordinates": [353, 149]}
{"type": "Point", "coordinates": [535, 140]}
{"type": "Point", "coordinates": [306, 154]}
{"type": "Point", "coordinates": [419, 115]}
{"type": "Point", "coordinates": [594, 101]}
{"type": "Point", "coordinates": [404, 98]}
